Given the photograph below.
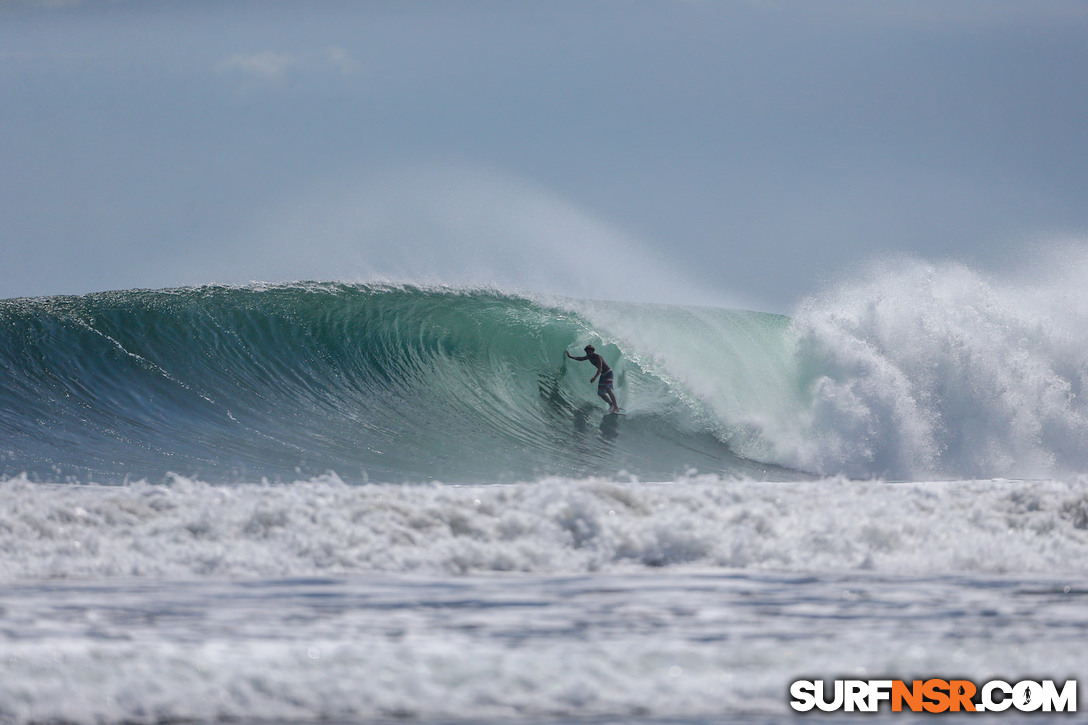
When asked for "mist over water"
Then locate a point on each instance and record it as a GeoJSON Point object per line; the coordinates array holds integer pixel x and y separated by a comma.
{"type": "Point", "coordinates": [450, 224]}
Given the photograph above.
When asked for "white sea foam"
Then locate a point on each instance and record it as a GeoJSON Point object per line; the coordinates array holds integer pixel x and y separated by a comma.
{"type": "Point", "coordinates": [553, 601]}
{"type": "Point", "coordinates": [695, 645]}
{"type": "Point", "coordinates": [323, 527]}
{"type": "Point", "coordinates": [927, 370]}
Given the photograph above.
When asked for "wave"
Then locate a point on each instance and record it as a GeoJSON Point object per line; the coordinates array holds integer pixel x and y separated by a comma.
{"type": "Point", "coordinates": [917, 371]}
{"type": "Point", "coordinates": [387, 383]}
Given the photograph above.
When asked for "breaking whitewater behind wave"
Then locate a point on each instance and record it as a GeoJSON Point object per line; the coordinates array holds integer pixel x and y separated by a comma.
{"type": "Point", "coordinates": [920, 372]}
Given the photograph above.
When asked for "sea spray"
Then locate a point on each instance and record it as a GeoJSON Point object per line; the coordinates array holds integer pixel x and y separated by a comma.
{"type": "Point", "coordinates": [923, 370]}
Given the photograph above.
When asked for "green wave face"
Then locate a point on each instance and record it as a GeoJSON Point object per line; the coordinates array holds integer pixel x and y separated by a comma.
{"type": "Point", "coordinates": [373, 382]}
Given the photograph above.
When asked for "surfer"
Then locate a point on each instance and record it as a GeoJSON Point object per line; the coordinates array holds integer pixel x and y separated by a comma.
{"type": "Point", "coordinates": [604, 386]}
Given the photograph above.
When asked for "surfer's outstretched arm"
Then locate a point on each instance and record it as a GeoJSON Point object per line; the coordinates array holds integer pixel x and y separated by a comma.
{"type": "Point", "coordinates": [584, 357]}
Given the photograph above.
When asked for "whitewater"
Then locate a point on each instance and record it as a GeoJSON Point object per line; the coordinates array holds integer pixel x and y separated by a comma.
{"type": "Point", "coordinates": [366, 502]}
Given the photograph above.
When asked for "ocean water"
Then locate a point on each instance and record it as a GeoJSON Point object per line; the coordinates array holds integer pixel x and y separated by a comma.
{"type": "Point", "coordinates": [324, 502]}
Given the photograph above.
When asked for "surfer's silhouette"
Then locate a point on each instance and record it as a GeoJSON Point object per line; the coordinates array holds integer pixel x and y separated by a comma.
{"type": "Point", "coordinates": [604, 386]}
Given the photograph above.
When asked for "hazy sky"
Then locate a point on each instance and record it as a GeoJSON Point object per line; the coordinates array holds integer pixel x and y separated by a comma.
{"type": "Point", "coordinates": [741, 152]}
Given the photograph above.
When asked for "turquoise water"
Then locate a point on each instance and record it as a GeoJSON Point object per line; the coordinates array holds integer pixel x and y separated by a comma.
{"type": "Point", "coordinates": [919, 373]}
{"type": "Point", "coordinates": [375, 383]}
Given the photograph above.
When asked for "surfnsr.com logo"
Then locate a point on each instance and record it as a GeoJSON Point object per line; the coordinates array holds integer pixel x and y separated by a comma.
{"type": "Point", "coordinates": [934, 695]}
